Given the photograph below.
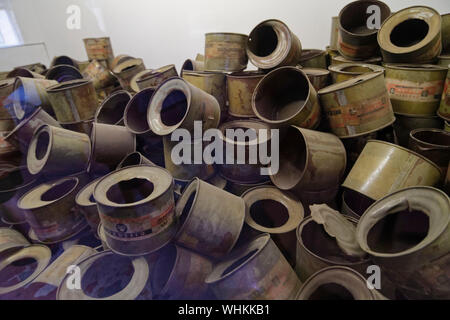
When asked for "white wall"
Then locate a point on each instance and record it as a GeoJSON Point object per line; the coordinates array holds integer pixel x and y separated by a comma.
{"type": "Point", "coordinates": [169, 31]}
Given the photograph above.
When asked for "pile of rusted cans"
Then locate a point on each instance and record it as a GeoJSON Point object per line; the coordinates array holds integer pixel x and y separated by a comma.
{"type": "Point", "coordinates": [351, 203]}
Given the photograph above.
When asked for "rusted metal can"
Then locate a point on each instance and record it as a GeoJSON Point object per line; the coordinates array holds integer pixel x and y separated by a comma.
{"type": "Point", "coordinates": [338, 59]}
{"type": "Point", "coordinates": [286, 97]}
{"type": "Point", "coordinates": [51, 212]}
{"type": "Point", "coordinates": [313, 58]}
{"type": "Point", "coordinates": [225, 52]}
{"type": "Point", "coordinates": [317, 250]}
{"type": "Point", "coordinates": [180, 274]}
{"type": "Point", "coordinates": [64, 60]}
{"type": "Point", "coordinates": [119, 59]}
{"type": "Point", "coordinates": [271, 45]}
{"type": "Point", "coordinates": [415, 89]}
{"type": "Point", "coordinates": [21, 135]}
{"type": "Point", "coordinates": [268, 210]}
{"type": "Point", "coordinates": [433, 144]}
{"type": "Point", "coordinates": [354, 204]}
{"type": "Point", "coordinates": [346, 71]}
{"type": "Point", "coordinates": [11, 239]}
{"type": "Point", "coordinates": [136, 207]}
{"type": "Point", "coordinates": [185, 172]}
{"type": "Point", "coordinates": [126, 70]}
{"type": "Point", "coordinates": [356, 39]}
{"type": "Point", "coordinates": [357, 106]}
{"type": "Point", "coordinates": [133, 84]}
{"type": "Point", "coordinates": [73, 100]}
{"type": "Point", "coordinates": [399, 44]}
{"type": "Point", "coordinates": [178, 104]}
{"type": "Point", "coordinates": [310, 160]}
{"type": "Point", "coordinates": [56, 151]}
{"type": "Point", "coordinates": [132, 276]}
{"type": "Point", "coordinates": [443, 61]}
{"type": "Point", "coordinates": [100, 76]}
{"type": "Point", "coordinates": [88, 206]}
{"type": "Point", "coordinates": [29, 94]}
{"type": "Point", "coordinates": [214, 83]}
{"type": "Point", "coordinates": [99, 49]}
{"type": "Point", "coordinates": [110, 144]}
{"type": "Point", "coordinates": [112, 110]}
{"type": "Point", "coordinates": [134, 159]}
{"type": "Point", "coordinates": [240, 88]}
{"type": "Point", "coordinates": [325, 196]}
{"type": "Point", "coordinates": [337, 282]}
{"type": "Point", "coordinates": [405, 124]}
{"type": "Point", "coordinates": [414, 254]}
{"type": "Point", "coordinates": [83, 126]}
{"type": "Point", "coordinates": [383, 168]}
{"type": "Point", "coordinates": [319, 78]}
{"type": "Point", "coordinates": [14, 183]}
{"type": "Point", "coordinates": [25, 73]}
{"type": "Point", "coordinates": [444, 108]}
{"type": "Point", "coordinates": [238, 151]}
{"type": "Point", "coordinates": [334, 33]}
{"type": "Point", "coordinates": [255, 271]}
{"type": "Point", "coordinates": [153, 78]}
{"type": "Point", "coordinates": [135, 115]}
{"type": "Point", "coordinates": [211, 232]}
{"type": "Point", "coordinates": [192, 65]}
{"type": "Point", "coordinates": [32, 261]}
{"type": "Point", "coordinates": [63, 73]}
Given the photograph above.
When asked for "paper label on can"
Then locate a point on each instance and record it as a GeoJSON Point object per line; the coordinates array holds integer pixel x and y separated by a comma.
{"type": "Point", "coordinates": [406, 90]}
{"type": "Point", "coordinates": [138, 228]}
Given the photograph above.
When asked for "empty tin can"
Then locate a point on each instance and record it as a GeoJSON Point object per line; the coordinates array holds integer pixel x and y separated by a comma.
{"type": "Point", "coordinates": [99, 49]}
{"type": "Point", "coordinates": [63, 73]}
{"type": "Point", "coordinates": [126, 70]}
{"type": "Point", "coordinates": [240, 88]}
{"type": "Point", "coordinates": [225, 51]}
{"type": "Point", "coordinates": [88, 206]}
{"type": "Point", "coordinates": [346, 71]}
{"type": "Point", "coordinates": [338, 59]}
{"type": "Point", "coordinates": [135, 114]}
{"type": "Point", "coordinates": [313, 58]}
{"type": "Point", "coordinates": [100, 76]}
{"type": "Point", "coordinates": [153, 78]}
{"type": "Point", "coordinates": [405, 124]}
{"type": "Point", "coordinates": [319, 78]}
{"type": "Point", "coordinates": [112, 110]}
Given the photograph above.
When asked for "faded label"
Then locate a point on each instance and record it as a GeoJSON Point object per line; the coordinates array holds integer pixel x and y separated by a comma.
{"type": "Point", "coordinates": [413, 91]}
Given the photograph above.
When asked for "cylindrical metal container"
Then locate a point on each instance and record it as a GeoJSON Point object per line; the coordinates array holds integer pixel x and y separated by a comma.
{"type": "Point", "coordinates": [415, 89]}
{"type": "Point", "coordinates": [126, 70]}
{"type": "Point", "coordinates": [51, 212]}
{"type": "Point", "coordinates": [207, 228]}
{"type": "Point", "coordinates": [14, 183]}
{"type": "Point", "coordinates": [241, 162]}
{"type": "Point", "coordinates": [383, 168]}
{"type": "Point", "coordinates": [112, 109]}
{"type": "Point", "coordinates": [110, 144]}
{"type": "Point", "coordinates": [180, 274]}
{"type": "Point", "coordinates": [63, 73]}
{"type": "Point", "coordinates": [336, 60]}
{"type": "Point", "coordinates": [25, 73]}
{"type": "Point", "coordinates": [240, 88]}
{"type": "Point", "coordinates": [11, 239]}
{"type": "Point", "coordinates": [178, 104]}
{"type": "Point", "coordinates": [83, 126]}
{"type": "Point", "coordinates": [133, 84]}
{"type": "Point", "coordinates": [64, 60]}
{"type": "Point", "coordinates": [284, 97]}
{"type": "Point", "coordinates": [134, 159]}
{"type": "Point", "coordinates": [135, 115]}
{"type": "Point", "coordinates": [268, 210]}
{"type": "Point", "coordinates": [444, 108]}
{"type": "Point", "coordinates": [405, 124]}
{"type": "Point", "coordinates": [313, 58]}
{"type": "Point", "coordinates": [22, 134]}
{"type": "Point", "coordinates": [118, 60]}
{"type": "Point", "coordinates": [131, 277]}
{"type": "Point", "coordinates": [411, 35]}
{"type": "Point", "coordinates": [357, 37]}
{"type": "Point", "coordinates": [100, 76]}
{"type": "Point", "coordinates": [271, 44]}
{"type": "Point", "coordinates": [357, 106]}
{"type": "Point", "coordinates": [187, 169]}
{"type": "Point", "coordinates": [255, 271]}
{"type": "Point", "coordinates": [433, 144]}
{"type": "Point", "coordinates": [153, 78]}
{"type": "Point", "coordinates": [239, 188]}
{"type": "Point", "coordinates": [56, 151]}
{"type": "Point", "coordinates": [99, 49]}
{"type": "Point", "coordinates": [407, 234]}
{"type": "Point", "coordinates": [346, 71]}
{"type": "Point", "coordinates": [88, 206]}
{"type": "Point", "coordinates": [443, 61]}
{"type": "Point", "coordinates": [225, 51]}
{"type": "Point", "coordinates": [354, 204]}
{"type": "Point", "coordinates": [317, 250]}
{"type": "Point", "coordinates": [310, 160]}
{"type": "Point", "coordinates": [337, 283]}
{"type": "Point", "coordinates": [334, 33]}
{"type": "Point", "coordinates": [32, 260]}
{"type": "Point", "coordinates": [319, 78]}
{"type": "Point", "coordinates": [214, 83]}
{"type": "Point", "coordinates": [136, 207]}
{"type": "Point", "coordinates": [73, 100]}
{"type": "Point", "coordinates": [29, 94]}
{"type": "Point", "coordinates": [192, 65]}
